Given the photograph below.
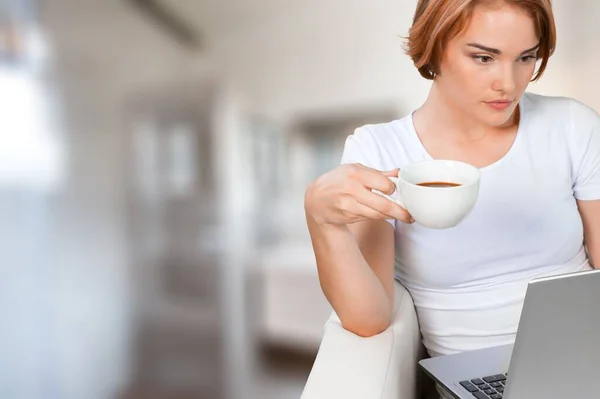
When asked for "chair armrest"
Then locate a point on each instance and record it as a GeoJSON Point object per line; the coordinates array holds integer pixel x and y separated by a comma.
{"type": "Point", "coordinates": [384, 366]}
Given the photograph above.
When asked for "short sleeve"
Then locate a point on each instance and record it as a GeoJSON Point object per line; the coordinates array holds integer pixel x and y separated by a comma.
{"type": "Point", "coordinates": [585, 143]}
{"type": "Point", "coordinates": [362, 148]}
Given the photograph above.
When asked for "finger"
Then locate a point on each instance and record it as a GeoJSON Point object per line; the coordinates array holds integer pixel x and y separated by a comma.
{"type": "Point", "coordinates": [375, 180]}
{"type": "Point", "coordinates": [361, 212]}
{"type": "Point", "coordinates": [391, 173]}
{"type": "Point", "coordinates": [383, 205]}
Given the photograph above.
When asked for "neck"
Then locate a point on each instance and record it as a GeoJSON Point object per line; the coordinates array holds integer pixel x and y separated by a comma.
{"type": "Point", "coordinates": [440, 111]}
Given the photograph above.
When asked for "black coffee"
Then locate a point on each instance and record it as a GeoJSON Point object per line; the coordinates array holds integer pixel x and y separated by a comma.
{"type": "Point", "coordinates": [439, 184]}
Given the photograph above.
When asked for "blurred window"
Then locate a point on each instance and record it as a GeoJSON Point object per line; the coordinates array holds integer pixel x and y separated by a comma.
{"type": "Point", "coordinates": [31, 153]}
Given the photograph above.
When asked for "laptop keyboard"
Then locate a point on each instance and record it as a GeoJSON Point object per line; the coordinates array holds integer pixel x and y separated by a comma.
{"type": "Point", "coordinates": [490, 387]}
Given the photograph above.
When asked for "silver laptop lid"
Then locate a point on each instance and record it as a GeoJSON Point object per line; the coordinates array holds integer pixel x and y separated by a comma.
{"type": "Point", "coordinates": [557, 348]}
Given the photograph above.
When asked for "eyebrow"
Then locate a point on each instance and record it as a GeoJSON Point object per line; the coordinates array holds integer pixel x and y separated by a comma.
{"type": "Point", "coordinates": [496, 51]}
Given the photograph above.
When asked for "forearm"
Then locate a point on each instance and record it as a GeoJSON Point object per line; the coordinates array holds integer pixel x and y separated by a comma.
{"type": "Point", "coordinates": [354, 290]}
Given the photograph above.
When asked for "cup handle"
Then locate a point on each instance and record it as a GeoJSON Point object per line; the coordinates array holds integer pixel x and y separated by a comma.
{"type": "Point", "coordinates": [397, 200]}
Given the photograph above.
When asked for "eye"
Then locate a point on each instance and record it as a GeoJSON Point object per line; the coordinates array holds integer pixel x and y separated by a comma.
{"type": "Point", "coordinates": [526, 59]}
{"type": "Point", "coordinates": [482, 59]}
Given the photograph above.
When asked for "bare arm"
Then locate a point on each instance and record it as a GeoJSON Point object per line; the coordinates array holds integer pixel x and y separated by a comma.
{"type": "Point", "coordinates": [590, 214]}
{"type": "Point", "coordinates": [355, 265]}
{"type": "Point", "coordinates": [354, 247]}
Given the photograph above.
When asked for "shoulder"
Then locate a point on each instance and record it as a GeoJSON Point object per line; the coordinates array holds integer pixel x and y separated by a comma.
{"type": "Point", "coordinates": [379, 145]}
{"type": "Point", "coordinates": [566, 122]}
{"type": "Point", "coordinates": [383, 134]}
{"type": "Point", "coordinates": [562, 111]}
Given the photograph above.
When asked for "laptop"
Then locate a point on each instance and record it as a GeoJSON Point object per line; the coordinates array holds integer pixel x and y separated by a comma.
{"type": "Point", "coordinates": [556, 353]}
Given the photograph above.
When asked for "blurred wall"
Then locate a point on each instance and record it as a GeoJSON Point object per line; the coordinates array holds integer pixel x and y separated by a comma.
{"type": "Point", "coordinates": [319, 55]}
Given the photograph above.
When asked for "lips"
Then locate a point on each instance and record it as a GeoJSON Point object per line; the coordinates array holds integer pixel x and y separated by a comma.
{"type": "Point", "coordinates": [499, 105]}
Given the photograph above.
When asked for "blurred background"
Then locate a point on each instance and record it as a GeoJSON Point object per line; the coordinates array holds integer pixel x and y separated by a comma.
{"type": "Point", "coordinates": [153, 160]}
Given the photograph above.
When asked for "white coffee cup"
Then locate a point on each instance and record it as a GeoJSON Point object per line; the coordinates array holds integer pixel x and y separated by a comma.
{"type": "Point", "coordinates": [437, 207]}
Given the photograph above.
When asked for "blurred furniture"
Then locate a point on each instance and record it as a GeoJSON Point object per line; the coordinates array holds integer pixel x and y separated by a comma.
{"type": "Point", "coordinates": [294, 308]}
{"type": "Point", "coordinates": [384, 366]}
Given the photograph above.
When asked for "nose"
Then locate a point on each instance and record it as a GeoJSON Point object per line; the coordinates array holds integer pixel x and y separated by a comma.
{"type": "Point", "coordinates": [505, 79]}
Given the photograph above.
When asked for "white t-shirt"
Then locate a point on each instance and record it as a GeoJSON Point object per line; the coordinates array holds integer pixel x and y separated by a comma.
{"type": "Point", "coordinates": [468, 282]}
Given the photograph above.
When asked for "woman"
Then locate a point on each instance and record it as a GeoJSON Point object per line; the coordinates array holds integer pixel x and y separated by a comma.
{"type": "Point", "coordinates": [539, 196]}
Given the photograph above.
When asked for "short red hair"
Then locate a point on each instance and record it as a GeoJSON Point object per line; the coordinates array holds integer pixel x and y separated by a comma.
{"type": "Point", "coordinates": [437, 21]}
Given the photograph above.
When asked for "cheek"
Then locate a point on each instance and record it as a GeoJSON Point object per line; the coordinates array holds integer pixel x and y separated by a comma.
{"type": "Point", "coordinates": [524, 76]}
{"type": "Point", "coordinates": [461, 73]}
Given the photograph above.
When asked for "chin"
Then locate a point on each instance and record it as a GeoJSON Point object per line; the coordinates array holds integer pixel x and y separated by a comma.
{"type": "Point", "coordinates": [498, 118]}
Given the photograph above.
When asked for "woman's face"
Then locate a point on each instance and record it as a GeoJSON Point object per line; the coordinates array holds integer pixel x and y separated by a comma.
{"type": "Point", "coordinates": [487, 67]}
